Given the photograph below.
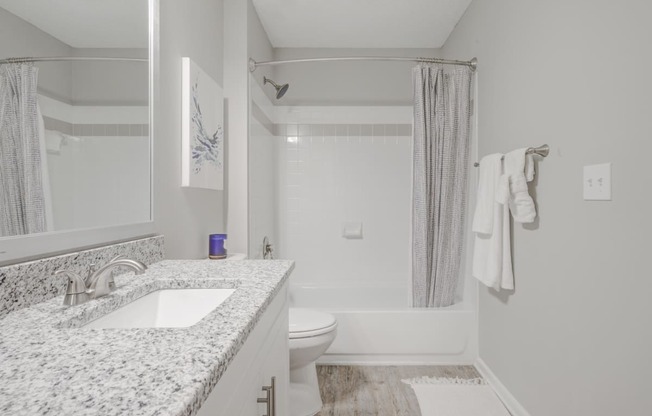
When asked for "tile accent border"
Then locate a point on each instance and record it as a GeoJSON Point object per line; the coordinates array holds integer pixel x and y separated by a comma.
{"type": "Point", "coordinates": [89, 130]}
{"type": "Point", "coordinates": [329, 130]}
{"type": "Point", "coordinates": [343, 130]}
{"type": "Point", "coordinates": [333, 130]}
{"type": "Point", "coordinates": [58, 125]}
{"type": "Point", "coordinates": [25, 284]}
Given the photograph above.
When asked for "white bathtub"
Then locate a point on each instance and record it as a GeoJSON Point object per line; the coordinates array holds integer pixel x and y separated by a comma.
{"type": "Point", "coordinates": [375, 326]}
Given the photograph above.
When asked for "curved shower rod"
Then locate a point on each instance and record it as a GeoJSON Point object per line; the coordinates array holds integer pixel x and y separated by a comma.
{"type": "Point", "coordinates": [473, 63]}
{"type": "Point", "coordinates": [28, 59]}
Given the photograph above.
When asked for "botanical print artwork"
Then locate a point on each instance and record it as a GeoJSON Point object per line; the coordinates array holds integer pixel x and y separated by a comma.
{"type": "Point", "coordinates": [206, 149]}
{"type": "Point", "coordinates": [202, 129]}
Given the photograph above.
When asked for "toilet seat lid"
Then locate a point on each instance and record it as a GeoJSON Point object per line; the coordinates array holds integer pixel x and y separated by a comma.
{"type": "Point", "coordinates": [310, 323]}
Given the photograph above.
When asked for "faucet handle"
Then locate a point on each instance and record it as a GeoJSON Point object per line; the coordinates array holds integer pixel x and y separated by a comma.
{"type": "Point", "coordinates": [76, 289]}
{"type": "Point", "coordinates": [75, 283]}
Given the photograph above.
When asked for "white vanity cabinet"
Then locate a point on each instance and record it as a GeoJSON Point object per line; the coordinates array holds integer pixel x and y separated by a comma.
{"type": "Point", "coordinates": [264, 355]}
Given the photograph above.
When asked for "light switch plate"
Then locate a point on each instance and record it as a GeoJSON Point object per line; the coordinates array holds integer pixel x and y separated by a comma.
{"type": "Point", "coordinates": [597, 182]}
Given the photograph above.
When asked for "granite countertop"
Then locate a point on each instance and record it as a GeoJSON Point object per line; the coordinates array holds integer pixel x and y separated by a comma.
{"type": "Point", "coordinates": [51, 366]}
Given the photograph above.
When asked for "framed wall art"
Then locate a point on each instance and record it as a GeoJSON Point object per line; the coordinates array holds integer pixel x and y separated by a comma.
{"type": "Point", "coordinates": [202, 127]}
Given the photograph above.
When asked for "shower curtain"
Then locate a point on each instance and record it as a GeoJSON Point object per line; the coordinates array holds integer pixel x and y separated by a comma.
{"type": "Point", "coordinates": [442, 114]}
{"type": "Point", "coordinates": [22, 201]}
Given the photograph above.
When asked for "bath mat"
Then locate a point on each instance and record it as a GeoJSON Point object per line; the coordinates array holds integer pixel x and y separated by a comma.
{"type": "Point", "coordinates": [456, 397]}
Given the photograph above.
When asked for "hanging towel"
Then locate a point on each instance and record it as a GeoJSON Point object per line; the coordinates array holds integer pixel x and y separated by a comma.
{"type": "Point", "coordinates": [492, 258]}
{"type": "Point", "coordinates": [518, 171]}
{"type": "Point", "coordinates": [489, 172]}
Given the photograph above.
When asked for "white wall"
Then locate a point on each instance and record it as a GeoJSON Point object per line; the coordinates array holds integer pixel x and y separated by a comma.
{"type": "Point", "coordinates": [263, 190]}
{"type": "Point", "coordinates": [236, 93]}
{"type": "Point", "coordinates": [347, 83]}
{"type": "Point", "coordinates": [185, 216]}
{"type": "Point", "coordinates": [244, 37]}
{"type": "Point", "coordinates": [110, 82]}
{"type": "Point", "coordinates": [262, 143]}
{"type": "Point", "coordinates": [260, 49]}
{"type": "Point", "coordinates": [574, 338]}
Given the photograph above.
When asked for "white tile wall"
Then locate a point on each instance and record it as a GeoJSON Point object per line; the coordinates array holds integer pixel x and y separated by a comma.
{"type": "Point", "coordinates": [326, 179]}
{"type": "Point", "coordinates": [117, 166]}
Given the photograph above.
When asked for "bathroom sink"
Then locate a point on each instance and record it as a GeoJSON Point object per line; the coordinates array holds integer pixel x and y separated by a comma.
{"type": "Point", "coordinates": [167, 308]}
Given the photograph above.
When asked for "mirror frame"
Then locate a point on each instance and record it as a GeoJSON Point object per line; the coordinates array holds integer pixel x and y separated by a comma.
{"type": "Point", "coordinates": [28, 247]}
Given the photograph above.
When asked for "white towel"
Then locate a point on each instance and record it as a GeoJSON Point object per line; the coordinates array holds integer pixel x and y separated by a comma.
{"type": "Point", "coordinates": [518, 171]}
{"type": "Point", "coordinates": [489, 172]}
{"type": "Point", "coordinates": [492, 257]}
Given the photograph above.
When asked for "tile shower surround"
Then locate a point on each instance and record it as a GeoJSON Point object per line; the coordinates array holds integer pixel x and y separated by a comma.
{"type": "Point", "coordinates": [332, 174]}
{"type": "Point", "coordinates": [25, 284]}
{"type": "Point", "coordinates": [330, 130]}
{"type": "Point", "coordinates": [314, 200]}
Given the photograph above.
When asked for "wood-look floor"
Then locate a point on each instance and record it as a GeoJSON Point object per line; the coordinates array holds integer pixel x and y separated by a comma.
{"type": "Point", "coordinates": [377, 390]}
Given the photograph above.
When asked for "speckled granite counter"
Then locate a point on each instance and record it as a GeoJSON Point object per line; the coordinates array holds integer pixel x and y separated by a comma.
{"type": "Point", "coordinates": [51, 366]}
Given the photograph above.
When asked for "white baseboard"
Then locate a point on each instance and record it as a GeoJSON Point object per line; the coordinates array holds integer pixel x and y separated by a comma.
{"type": "Point", "coordinates": [510, 402]}
{"type": "Point", "coordinates": [390, 359]}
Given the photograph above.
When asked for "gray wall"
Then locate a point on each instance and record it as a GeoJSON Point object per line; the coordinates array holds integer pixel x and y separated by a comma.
{"type": "Point", "coordinates": [77, 83]}
{"type": "Point", "coordinates": [574, 338]}
{"type": "Point", "coordinates": [185, 216]}
{"type": "Point", "coordinates": [19, 38]}
{"type": "Point", "coordinates": [112, 82]}
{"type": "Point", "coordinates": [347, 83]}
{"type": "Point", "coordinates": [260, 49]}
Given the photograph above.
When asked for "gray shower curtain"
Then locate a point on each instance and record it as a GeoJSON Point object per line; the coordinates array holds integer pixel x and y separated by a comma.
{"type": "Point", "coordinates": [22, 202]}
{"type": "Point", "coordinates": [442, 114]}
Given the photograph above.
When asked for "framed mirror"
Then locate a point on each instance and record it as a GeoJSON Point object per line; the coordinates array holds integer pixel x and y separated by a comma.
{"type": "Point", "coordinates": [76, 116]}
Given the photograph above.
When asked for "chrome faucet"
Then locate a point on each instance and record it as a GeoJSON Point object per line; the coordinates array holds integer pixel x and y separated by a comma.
{"type": "Point", "coordinates": [98, 283]}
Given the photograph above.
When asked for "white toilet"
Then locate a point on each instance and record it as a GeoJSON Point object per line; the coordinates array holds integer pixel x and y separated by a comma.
{"type": "Point", "coordinates": [311, 333]}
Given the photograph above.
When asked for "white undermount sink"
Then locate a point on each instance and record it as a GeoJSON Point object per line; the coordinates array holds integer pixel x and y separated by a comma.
{"type": "Point", "coordinates": [166, 308]}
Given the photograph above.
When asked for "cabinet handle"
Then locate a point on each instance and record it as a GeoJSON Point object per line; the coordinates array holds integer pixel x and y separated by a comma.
{"type": "Point", "coordinates": [270, 400]}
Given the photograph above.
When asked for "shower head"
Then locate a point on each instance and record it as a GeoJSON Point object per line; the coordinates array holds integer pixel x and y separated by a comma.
{"type": "Point", "coordinates": [280, 89]}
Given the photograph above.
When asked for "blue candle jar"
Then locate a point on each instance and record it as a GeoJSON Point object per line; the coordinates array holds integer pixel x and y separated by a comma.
{"type": "Point", "coordinates": [216, 248]}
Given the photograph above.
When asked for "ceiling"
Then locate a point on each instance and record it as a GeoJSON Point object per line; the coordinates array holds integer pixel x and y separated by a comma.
{"type": "Point", "coordinates": [359, 23]}
{"type": "Point", "coordinates": [87, 23]}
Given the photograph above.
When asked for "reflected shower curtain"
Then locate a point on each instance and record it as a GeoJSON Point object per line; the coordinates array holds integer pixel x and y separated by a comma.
{"type": "Point", "coordinates": [22, 203]}
{"type": "Point", "coordinates": [442, 113]}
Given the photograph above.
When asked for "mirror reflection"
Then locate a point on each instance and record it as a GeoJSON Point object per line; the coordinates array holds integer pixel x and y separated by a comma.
{"type": "Point", "coordinates": [74, 130]}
